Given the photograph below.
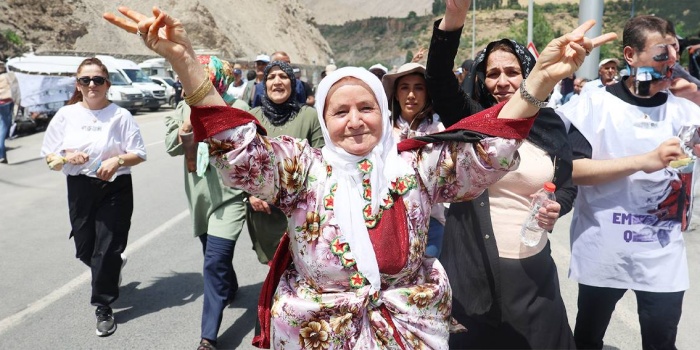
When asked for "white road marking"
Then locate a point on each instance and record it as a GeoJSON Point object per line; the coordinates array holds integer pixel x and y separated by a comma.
{"type": "Point", "coordinates": [155, 143]}
{"type": "Point", "coordinates": [66, 289]}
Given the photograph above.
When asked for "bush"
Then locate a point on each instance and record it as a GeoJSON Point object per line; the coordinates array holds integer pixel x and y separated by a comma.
{"type": "Point", "coordinates": [12, 37]}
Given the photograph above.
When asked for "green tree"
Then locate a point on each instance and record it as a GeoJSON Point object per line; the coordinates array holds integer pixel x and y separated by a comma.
{"type": "Point", "coordinates": [409, 56]}
{"type": "Point", "coordinates": [542, 32]}
{"type": "Point", "coordinates": [412, 15]}
{"type": "Point", "coordinates": [513, 4]}
{"type": "Point", "coordinates": [439, 7]}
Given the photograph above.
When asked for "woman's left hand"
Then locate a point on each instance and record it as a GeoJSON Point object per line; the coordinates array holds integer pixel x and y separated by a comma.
{"type": "Point", "coordinates": [108, 168]}
{"type": "Point", "coordinates": [563, 56]}
{"type": "Point", "coordinates": [548, 215]}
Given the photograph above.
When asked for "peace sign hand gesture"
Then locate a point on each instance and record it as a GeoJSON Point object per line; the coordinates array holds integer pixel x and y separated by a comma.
{"type": "Point", "coordinates": [564, 55]}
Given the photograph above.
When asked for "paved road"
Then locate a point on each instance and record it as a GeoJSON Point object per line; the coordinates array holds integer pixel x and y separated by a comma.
{"type": "Point", "coordinates": [45, 290]}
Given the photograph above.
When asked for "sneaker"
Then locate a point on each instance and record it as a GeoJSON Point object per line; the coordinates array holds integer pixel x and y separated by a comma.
{"type": "Point", "coordinates": [122, 268]}
{"type": "Point", "coordinates": [3, 160]}
{"type": "Point", "coordinates": [105, 321]}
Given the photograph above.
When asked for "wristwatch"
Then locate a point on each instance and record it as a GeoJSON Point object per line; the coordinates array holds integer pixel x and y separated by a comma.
{"type": "Point", "coordinates": [120, 160]}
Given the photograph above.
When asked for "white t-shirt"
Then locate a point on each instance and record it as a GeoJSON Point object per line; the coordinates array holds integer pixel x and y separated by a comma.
{"type": "Point", "coordinates": [102, 134]}
{"type": "Point", "coordinates": [617, 238]}
{"type": "Point", "coordinates": [236, 91]}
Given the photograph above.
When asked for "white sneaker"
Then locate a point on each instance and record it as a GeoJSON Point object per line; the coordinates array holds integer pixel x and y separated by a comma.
{"type": "Point", "coordinates": [124, 259]}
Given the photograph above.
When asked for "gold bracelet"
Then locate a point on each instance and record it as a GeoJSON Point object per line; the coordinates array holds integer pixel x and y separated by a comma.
{"type": "Point", "coordinates": [199, 94]}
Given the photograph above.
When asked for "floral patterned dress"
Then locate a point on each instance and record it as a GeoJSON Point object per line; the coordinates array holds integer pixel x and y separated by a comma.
{"type": "Point", "coordinates": [322, 300]}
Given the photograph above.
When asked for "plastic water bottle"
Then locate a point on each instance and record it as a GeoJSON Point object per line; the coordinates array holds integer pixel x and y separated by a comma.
{"type": "Point", "coordinates": [531, 231]}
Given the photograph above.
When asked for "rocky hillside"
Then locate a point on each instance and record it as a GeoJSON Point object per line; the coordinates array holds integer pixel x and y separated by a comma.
{"type": "Point", "coordinates": [337, 12]}
{"type": "Point", "coordinates": [237, 29]}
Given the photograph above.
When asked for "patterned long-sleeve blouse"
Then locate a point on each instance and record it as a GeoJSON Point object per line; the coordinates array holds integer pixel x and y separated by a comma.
{"type": "Point", "coordinates": [322, 300]}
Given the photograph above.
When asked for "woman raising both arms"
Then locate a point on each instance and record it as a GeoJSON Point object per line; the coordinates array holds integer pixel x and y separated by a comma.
{"type": "Point", "coordinates": [358, 210]}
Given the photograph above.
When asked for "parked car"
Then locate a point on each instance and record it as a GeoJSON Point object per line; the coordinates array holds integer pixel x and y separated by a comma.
{"type": "Point", "coordinates": [168, 84]}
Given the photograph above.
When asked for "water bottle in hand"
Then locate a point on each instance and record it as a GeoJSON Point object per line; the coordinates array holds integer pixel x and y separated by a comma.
{"type": "Point", "coordinates": [531, 231]}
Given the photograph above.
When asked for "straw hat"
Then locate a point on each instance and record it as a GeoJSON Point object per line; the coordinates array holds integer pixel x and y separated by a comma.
{"type": "Point", "coordinates": [390, 79]}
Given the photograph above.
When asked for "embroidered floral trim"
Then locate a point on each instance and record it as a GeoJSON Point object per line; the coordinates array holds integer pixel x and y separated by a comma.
{"type": "Point", "coordinates": [329, 170]}
{"type": "Point", "coordinates": [365, 166]}
{"type": "Point", "coordinates": [357, 280]}
{"type": "Point", "coordinates": [399, 186]}
{"type": "Point", "coordinates": [388, 202]}
{"type": "Point", "coordinates": [347, 259]}
{"type": "Point", "coordinates": [339, 248]}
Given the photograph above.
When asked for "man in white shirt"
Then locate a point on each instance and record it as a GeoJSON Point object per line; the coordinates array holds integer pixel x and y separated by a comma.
{"type": "Point", "coordinates": [626, 231]}
{"type": "Point", "coordinates": [607, 75]}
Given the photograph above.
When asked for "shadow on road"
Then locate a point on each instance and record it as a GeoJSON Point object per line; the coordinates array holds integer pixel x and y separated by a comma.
{"type": "Point", "coordinates": [175, 290]}
{"type": "Point", "coordinates": [233, 335]}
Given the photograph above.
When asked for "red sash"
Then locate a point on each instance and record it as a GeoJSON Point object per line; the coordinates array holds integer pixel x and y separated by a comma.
{"type": "Point", "coordinates": [389, 239]}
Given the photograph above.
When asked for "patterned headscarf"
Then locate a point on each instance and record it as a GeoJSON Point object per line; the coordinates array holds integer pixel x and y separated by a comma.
{"type": "Point", "coordinates": [476, 89]}
{"type": "Point", "coordinates": [387, 166]}
{"type": "Point", "coordinates": [220, 72]}
{"type": "Point", "coordinates": [279, 114]}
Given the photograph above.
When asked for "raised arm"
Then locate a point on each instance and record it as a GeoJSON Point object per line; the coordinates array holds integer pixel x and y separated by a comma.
{"type": "Point", "coordinates": [559, 59]}
{"type": "Point", "coordinates": [167, 37]}
{"type": "Point", "coordinates": [455, 14]}
{"type": "Point", "coordinates": [450, 102]}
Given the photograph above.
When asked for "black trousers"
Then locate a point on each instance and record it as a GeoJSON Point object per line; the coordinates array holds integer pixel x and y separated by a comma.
{"type": "Point", "coordinates": [659, 314]}
{"type": "Point", "coordinates": [100, 217]}
{"type": "Point", "coordinates": [533, 312]}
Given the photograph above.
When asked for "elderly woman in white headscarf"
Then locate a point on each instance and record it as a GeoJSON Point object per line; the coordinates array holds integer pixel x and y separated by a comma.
{"type": "Point", "coordinates": [358, 209]}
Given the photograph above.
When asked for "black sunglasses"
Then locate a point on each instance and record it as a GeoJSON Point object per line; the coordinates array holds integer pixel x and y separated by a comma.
{"type": "Point", "coordinates": [85, 81]}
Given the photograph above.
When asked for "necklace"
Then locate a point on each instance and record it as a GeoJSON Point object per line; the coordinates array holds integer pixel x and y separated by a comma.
{"type": "Point", "coordinates": [96, 116]}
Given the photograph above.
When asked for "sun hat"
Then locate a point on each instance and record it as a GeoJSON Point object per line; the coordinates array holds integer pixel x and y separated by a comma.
{"type": "Point", "coordinates": [389, 80]}
{"type": "Point", "coordinates": [608, 60]}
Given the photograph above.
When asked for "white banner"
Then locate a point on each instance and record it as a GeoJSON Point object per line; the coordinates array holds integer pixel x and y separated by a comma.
{"type": "Point", "coordinates": [44, 93]}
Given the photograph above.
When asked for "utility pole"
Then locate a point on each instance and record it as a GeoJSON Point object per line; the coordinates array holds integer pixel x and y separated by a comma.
{"type": "Point", "coordinates": [632, 10]}
{"type": "Point", "coordinates": [591, 9]}
{"type": "Point", "coordinates": [530, 10]}
{"type": "Point", "coordinates": [473, 29]}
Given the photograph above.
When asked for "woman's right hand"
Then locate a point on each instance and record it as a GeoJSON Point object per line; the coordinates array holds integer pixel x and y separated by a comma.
{"type": "Point", "coordinates": [455, 14]}
{"type": "Point", "coordinates": [167, 37]}
{"type": "Point", "coordinates": [161, 33]}
{"type": "Point", "coordinates": [76, 157]}
{"type": "Point", "coordinates": [259, 205]}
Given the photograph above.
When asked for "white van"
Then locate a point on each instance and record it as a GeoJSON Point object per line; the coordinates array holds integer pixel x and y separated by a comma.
{"type": "Point", "coordinates": [154, 94]}
{"type": "Point", "coordinates": [121, 92]}
{"type": "Point", "coordinates": [156, 67]}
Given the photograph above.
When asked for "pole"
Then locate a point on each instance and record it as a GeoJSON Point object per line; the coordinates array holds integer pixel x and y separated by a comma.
{"type": "Point", "coordinates": [473, 29]}
{"type": "Point", "coordinates": [530, 10]}
{"type": "Point", "coordinates": [591, 9]}
{"type": "Point", "coordinates": [632, 10]}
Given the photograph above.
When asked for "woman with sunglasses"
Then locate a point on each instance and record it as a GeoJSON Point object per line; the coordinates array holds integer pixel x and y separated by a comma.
{"type": "Point", "coordinates": [95, 143]}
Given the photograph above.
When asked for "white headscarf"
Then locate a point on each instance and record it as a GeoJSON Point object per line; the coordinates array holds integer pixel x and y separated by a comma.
{"type": "Point", "coordinates": [387, 166]}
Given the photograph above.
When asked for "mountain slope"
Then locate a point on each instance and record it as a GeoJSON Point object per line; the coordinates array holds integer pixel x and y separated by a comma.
{"type": "Point", "coordinates": [236, 29]}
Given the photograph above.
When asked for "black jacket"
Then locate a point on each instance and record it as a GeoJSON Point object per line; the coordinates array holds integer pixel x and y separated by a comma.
{"type": "Point", "coordinates": [469, 253]}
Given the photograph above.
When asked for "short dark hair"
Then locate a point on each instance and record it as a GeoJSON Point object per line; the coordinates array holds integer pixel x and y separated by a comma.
{"type": "Point", "coordinates": [250, 75]}
{"type": "Point", "coordinates": [636, 29]}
